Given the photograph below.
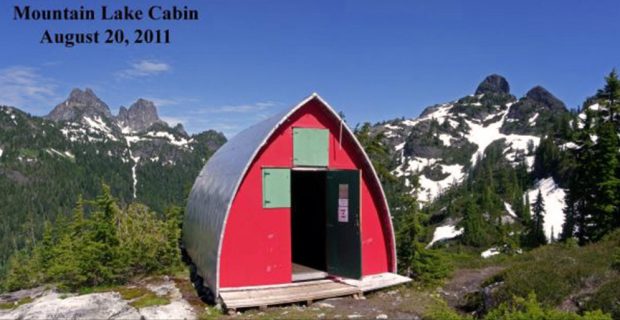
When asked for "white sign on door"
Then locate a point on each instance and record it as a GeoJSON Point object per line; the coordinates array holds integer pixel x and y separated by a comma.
{"type": "Point", "coordinates": [343, 214]}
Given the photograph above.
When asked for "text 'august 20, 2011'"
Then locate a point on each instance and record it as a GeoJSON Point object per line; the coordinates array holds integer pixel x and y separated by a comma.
{"type": "Point", "coordinates": [150, 16]}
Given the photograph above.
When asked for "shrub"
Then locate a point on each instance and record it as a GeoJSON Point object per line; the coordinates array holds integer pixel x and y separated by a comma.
{"type": "Point", "coordinates": [607, 298]}
{"type": "Point", "coordinates": [529, 308]}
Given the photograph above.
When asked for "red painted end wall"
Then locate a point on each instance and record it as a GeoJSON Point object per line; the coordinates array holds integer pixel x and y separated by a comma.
{"type": "Point", "coordinates": [256, 248]}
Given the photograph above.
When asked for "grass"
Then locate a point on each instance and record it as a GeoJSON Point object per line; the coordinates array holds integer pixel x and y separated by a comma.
{"type": "Point", "coordinates": [12, 305]}
{"type": "Point", "coordinates": [130, 293]}
{"type": "Point", "coordinates": [139, 297]}
{"type": "Point", "coordinates": [148, 300]}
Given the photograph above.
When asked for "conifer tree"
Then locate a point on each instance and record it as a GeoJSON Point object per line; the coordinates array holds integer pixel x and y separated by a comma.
{"type": "Point", "coordinates": [606, 184]}
{"type": "Point", "coordinates": [527, 215]}
{"type": "Point", "coordinates": [611, 93]}
{"type": "Point", "coordinates": [536, 232]}
{"type": "Point", "coordinates": [473, 224]}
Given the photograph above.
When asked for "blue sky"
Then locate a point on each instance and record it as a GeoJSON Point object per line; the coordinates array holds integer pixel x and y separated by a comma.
{"type": "Point", "coordinates": [373, 60]}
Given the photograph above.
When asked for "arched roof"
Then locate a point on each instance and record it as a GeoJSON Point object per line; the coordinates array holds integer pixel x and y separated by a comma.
{"type": "Point", "coordinates": [212, 195]}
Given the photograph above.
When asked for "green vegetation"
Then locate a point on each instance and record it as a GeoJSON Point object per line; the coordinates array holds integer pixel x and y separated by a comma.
{"type": "Point", "coordinates": [148, 300]}
{"type": "Point", "coordinates": [424, 265]}
{"type": "Point", "coordinates": [42, 172]}
{"type": "Point", "coordinates": [562, 272]}
{"type": "Point", "coordinates": [593, 199]}
{"type": "Point", "coordinates": [13, 305]}
{"type": "Point", "coordinates": [107, 246]}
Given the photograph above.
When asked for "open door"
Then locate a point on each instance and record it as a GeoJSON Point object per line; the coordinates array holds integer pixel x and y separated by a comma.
{"type": "Point", "coordinates": [344, 246]}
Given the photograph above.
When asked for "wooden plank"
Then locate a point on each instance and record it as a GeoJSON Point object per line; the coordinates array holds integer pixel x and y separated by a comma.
{"type": "Point", "coordinates": [377, 281]}
{"type": "Point", "coordinates": [304, 273]}
{"type": "Point", "coordinates": [256, 296]}
{"type": "Point", "coordinates": [264, 296]}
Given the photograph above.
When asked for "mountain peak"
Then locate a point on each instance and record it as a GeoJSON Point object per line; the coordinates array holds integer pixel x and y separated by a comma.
{"type": "Point", "coordinates": [493, 84]}
{"type": "Point", "coordinates": [141, 115]}
{"type": "Point", "coordinates": [545, 98]}
{"type": "Point", "coordinates": [78, 104]}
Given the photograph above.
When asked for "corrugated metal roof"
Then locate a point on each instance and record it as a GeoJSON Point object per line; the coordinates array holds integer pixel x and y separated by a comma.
{"type": "Point", "coordinates": [213, 192]}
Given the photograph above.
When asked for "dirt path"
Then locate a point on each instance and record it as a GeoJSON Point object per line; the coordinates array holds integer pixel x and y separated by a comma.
{"type": "Point", "coordinates": [466, 281]}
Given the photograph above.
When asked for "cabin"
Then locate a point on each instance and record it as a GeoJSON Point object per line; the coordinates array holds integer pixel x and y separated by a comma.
{"type": "Point", "coordinates": [290, 210]}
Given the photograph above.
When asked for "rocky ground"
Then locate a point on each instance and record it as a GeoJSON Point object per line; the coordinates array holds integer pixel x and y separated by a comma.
{"type": "Point", "coordinates": [175, 298]}
{"type": "Point", "coordinates": [153, 299]}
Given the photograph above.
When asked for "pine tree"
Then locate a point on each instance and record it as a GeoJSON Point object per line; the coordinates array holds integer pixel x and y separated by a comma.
{"type": "Point", "coordinates": [568, 228]}
{"type": "Point", "coordinates": [611, 93]}
{"type": "Point", "coordinates": [606, 184]}
{"type": "Point", "coordinates": [103, 252]}
{"type": "Point", "coordinates": [473, 224]}
{"type": "Point", "coordinates": [536, 232]}
{"type": "Point", "coordinates": [527, 215]}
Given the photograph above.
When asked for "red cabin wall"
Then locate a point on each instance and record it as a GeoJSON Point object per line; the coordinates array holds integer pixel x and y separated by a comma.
{"type": "Point", "coordinates": [256, 248]}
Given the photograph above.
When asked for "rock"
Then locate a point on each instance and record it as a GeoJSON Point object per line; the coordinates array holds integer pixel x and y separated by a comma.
{"type": "Point", "coordinates": [179, 128]}
{"type": "Point", "coordinates": [382, 316]}
{"type": "Point", "coordinates": [493, 84]}
{"type": "Point", "coordinates": [545, 98]}
{"type": "Point", "coordinates": [162, 289]}
{"type": "Point", "coordinates": [107, 305]}
{"type": "Point", "coordinates": [140, 116]}
{"type": "Point", "coordinates": [80, 104]}
{"type": "Point", "coordinates": [178, 309]}
{"type": "Point", "coordinates": [324, 305]}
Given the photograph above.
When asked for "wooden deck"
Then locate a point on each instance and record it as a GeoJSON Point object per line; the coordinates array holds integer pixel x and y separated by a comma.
{"type": "Point", "coordinates": [305, 273]}
{"type": "Point", "coordinates": [307, 291]}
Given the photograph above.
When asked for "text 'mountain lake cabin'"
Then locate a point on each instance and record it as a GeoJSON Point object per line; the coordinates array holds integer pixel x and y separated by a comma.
{"type": "Point", "coordinates": [290, 210]}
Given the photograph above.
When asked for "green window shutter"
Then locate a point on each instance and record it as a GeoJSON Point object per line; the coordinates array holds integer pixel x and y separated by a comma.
{"type": "Point", "coordinates": [310, 147]}
{"type": "Point", "coordinates": [276, 188]}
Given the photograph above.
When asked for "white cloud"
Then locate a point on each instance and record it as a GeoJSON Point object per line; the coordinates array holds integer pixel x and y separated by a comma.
{"type": "Point", "coordinates": [25, 87]}
{"type": "Point", "coordinates": [173, 121]}
{"type": "Point", "coordinates": [144, 68]}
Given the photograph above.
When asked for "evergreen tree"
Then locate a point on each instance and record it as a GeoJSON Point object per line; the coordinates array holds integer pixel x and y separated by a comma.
{"type": "Point", "coordinates": [527, 215]}
{"type": "Point", "coordinates": [473, 224]}
{"type": "Point", "coordinates": [568, 228]}
{"type": "Point", "coordinates": [536, 233]}
{"type": "Point", "coordinates": [606, 184]}
{"type": "Point", "coordinates": [611, 93]}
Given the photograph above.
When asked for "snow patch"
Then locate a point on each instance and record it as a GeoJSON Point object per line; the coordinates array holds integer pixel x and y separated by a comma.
{"type": "Point", "coordinates": [509, 209]}
{"type": "Point", "coordinates": [430, 189]}
{"type": "Point", "coordinates": [553, 197]}
{"type": "Point", "coordinates": [444, 233]}
{"type": "Point", "coordinates": [1, 151]}
{"type": "Point", "coordinates": [532, 120]}
{"type": "Point", "coordinates": [445, 138]}
{"type": "Point", "coordinates": [399, 146]}
{"type": "Point", "coordinates": [569, 145]}
{"type": "Point", "coordinates": [490, 252]}
{"type": "Point", "coordinates": [484, 136]}
{"type": "Point", "coordinates": [173, 140]}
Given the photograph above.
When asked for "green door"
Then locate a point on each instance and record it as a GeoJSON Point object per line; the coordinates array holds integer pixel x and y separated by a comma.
{"type": "Point", "coordinates": [344, 247]}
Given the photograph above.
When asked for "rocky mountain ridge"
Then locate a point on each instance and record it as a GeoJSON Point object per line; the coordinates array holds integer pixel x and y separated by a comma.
{"type": "Point", "coordinates": [438, 149]}
{"type": "Point", "coordinates": [47, 162]}
{"type": "Point", "coordinates": [81, 104]}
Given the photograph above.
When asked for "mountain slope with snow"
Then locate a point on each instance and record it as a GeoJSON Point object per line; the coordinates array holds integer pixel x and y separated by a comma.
{"type": "Point", "coordinates": [447, 139]}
